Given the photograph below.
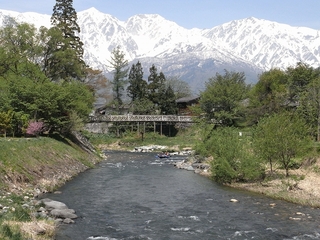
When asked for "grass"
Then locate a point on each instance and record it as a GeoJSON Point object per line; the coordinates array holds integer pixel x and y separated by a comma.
{"type": "Point", "coordinates": [26, 163]}
{"type": "Point", "coordinates": [13, 217]}
{"type": "Point", "coordinates": [24, 159]}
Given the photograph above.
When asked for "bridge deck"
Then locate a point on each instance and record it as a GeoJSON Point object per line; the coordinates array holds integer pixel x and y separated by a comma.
{"type": "Point", "coordinates": [140, 118]}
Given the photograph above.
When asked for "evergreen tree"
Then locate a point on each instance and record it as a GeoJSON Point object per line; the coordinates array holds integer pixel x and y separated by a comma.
{"type": "Point", "coordinates": [153, 84]}
{"type": "Point", "coordinates": [168, 104]}
{"type": "Point", "coordinates": [137, 88]}
{"type": "Point", "coordinates": [64, 48]}
{"type": "Point", "coordinates": [156, 87]}
{"type": "Point", "coordinates": [119, 65]}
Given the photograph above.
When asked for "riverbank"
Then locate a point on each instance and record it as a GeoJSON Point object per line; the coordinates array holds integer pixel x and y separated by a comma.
{"type": "Point", "coordinates": [301, 187]}
{"type": "Point", "coordinates": [30, 167]}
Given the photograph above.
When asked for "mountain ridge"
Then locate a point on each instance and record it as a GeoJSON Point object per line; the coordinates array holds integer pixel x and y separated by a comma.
{"type": "Point", "coordinates": [249, 45]}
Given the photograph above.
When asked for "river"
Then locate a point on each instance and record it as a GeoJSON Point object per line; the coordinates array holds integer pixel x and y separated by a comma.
{"type": "Point", "coordinates": [138, 196]}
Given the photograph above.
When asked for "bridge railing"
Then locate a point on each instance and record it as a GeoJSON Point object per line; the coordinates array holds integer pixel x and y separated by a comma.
{"type": "Point", "coordinates": [140, 118]}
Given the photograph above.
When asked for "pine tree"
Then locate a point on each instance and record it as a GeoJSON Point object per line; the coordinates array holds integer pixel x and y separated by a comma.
{"type": "Point", "coordinates": [137, 88]}
{"type": "Point", "coordinates": [154, 85]}
{"type": "Point", "coordinates": [64, 49]}
{"type": "Point", "coordinates": [168, 104]}
{"type": "Point", "coordinates": [119, 65]}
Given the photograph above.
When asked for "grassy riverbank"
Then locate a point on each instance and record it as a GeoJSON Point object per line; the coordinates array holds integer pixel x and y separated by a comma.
{"type": "Point", "coordinates": [30, 166]}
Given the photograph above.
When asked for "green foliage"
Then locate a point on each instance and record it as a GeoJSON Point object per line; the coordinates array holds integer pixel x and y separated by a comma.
{"type": "Point", "coordinates": [281, 137]}
{"type": "Point", "coordinates": [222, 171]}
{"type": "Point", "coordinates": [156, 87]}
{"type": "Point", "coordinates": [222, 99]}
{"type": "Point", "coordinates": [269, 95]}
{"type": "Point", "coordinates": [16, 213]}
{"type": "Point", "coordinates": [64, 47]}
{"type": "Point", "coordinates": [296, 88]}
{"type": "Point", "coordinates": [299, 78]}
{"type": "Point", "coordinates": [25, 89]}
{"type": "Point", "coordinates": [232, 158]}
{"type": "Point", "coordinates": [54, 103]}
{"type": "Point", "coordinates": [119, 65]}
{"type": "Point", "coordinates": [143, 107]}
{"type": "Point", "coordinates": [6, 121]}
{"type": "Point", "coordinates": [9, 232]}
{"type": "Point", "coordinates": [180, 88]}
{"type": "Point", "coordinates": [309, 106]}
{"type": "Point", "coordinates": [161, 93]}
{"type": "Point", "coordinates": [168, 104]}
{"type": "Point", "coordinates": [137, 88]}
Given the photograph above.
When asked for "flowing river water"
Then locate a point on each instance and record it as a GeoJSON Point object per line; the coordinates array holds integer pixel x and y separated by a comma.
{"type": "Point", "coordinates": [137, 196]}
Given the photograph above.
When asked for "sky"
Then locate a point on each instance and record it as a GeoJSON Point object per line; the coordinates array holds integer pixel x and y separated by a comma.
{"type": "Point", "coordinates": [189, 14]}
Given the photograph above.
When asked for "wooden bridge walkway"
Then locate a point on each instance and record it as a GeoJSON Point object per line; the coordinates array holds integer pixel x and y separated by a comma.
{"type": "Point", "coordinates": [141, 118]}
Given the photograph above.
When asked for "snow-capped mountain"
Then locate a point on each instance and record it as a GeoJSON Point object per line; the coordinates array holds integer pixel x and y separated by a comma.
{"type": "Point", "coordinates": [250, 45]}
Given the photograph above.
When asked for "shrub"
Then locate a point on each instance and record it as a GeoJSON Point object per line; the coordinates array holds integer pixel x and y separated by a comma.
{"type": "Point", "coordinates": [233, 159]}
{"type": "Point", "coordinates": [35, 128]}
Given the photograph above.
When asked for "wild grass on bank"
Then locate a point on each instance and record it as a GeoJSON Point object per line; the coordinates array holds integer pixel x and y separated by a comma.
{"type": "Point", "coordinates": [25, 164]}
{"type": "Point", "coordinates": [16, 222]}
{"type": "Point", "coordinates": [26, 160]}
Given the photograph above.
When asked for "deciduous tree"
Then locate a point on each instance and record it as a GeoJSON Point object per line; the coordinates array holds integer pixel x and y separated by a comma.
{"type": "Point", "coordinates": [98, 83]}
{"type": "Point", "coordinates": [269, 95]}
{"type": "Point", "coordinates": [223, 96]}
{"type": "Point", "coordinates": [281, 137]}
{"type": "Point", "coordinates": [6, 121]}
{"type": "Point", "coordinates": [180, 88]}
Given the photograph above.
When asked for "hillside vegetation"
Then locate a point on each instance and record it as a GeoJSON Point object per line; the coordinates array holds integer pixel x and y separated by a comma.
{"type": "Point", "coordinates": [29, 167]}
{"type": "Point", "coordinates": [44, 160]}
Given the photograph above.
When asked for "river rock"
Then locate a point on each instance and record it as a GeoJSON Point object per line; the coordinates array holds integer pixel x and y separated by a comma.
{"type": "Point", "coordinates": [63, 213]}
{"type": "Point", "coordinates": [68, 221]}
{"type": "Point", "coordinates": [190, 168]}
{"type": "Point", "coordinates": [51, 204]}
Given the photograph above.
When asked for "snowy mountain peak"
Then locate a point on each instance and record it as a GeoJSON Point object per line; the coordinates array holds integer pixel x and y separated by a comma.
{"type": "Point", "coordinates": [250, 45]}
{"type": "Point", "coordinates": [91, 10]}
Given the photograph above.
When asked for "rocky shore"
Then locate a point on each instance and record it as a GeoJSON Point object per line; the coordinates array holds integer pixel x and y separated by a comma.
{"type": "Point", "coordinates": [45, 214]}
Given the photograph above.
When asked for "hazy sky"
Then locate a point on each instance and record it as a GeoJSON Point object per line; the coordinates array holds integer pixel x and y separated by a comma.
{"type": "Point", "coordinates": [191, 13]}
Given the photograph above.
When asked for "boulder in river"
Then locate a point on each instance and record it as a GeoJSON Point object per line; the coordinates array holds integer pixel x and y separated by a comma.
{"type": "Point", "coordinates": [58, 210]}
